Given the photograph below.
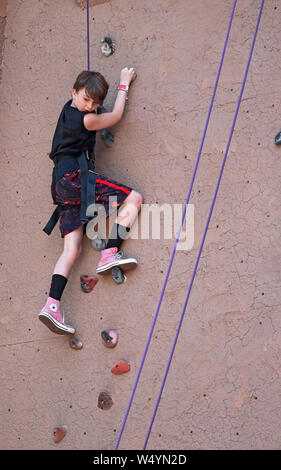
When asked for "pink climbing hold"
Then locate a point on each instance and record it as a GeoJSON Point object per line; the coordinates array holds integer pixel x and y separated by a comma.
{"type": "Point", "coordinates": [76, 343]}
{"type": "Point", "coordinates": [109, 338]}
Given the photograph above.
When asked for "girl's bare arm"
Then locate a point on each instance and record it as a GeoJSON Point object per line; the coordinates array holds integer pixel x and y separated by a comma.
{"type": "Point", "coordinates": [96, 122]}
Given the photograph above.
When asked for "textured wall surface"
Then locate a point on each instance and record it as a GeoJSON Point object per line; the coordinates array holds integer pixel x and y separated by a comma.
{"type": "Point", "coordinates": [223, 389]}
{"type": "Point", "coordinates": [3, 9]}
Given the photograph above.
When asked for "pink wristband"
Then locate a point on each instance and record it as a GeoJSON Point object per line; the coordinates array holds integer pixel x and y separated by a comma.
{"type": "Point", "coordinates": [123, 87]}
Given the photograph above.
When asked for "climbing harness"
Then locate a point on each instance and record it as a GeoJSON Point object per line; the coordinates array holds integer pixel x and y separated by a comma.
{"type": "Point", "coordinates": [88, 187]}
{"type": "Point", "coordinates": [178, 234]}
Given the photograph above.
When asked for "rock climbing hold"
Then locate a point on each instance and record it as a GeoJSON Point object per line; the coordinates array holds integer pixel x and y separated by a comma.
{"type": "Point", "coordinates": [76, 343]}
{"type": "Point", "coordinates": [88, 283]}
{"type": "Point", "coordinates": [83, 3]}
{"type": "Point", "coordinates": [105, 401]}
{"type": "Point", "coordinates": [59, 433]}
{"type": "Point", "coordinates": [121, 367]}
{"type": "Point", "coordinates": [278, 138]}
{"type": "Point", "coordinates": [118, 275]}
{"type": "Point", "coordinates": [107, 137]}
{"type": "Point", "coordinates": [98, 243]}
{"type": "Point", "coordinates": [107, 46]}
{"type": "Point", "coordinates": [109, 338]}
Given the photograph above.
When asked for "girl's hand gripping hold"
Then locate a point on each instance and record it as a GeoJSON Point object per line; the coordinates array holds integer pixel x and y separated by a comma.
{"type": "Point", "coordinates": [127, 75]}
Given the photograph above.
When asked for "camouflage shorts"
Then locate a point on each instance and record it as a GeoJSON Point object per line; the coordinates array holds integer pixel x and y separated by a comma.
{"type": "Point", "coordinates": [68, 193]}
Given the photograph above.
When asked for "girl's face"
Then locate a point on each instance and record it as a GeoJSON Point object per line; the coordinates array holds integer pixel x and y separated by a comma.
{"type": "Point", "coordinates": [82, 101]}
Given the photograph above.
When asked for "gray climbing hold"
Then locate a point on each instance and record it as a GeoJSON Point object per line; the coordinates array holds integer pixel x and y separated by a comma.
{"type": "Point", "coordinates": [98, 244]}
{"type": "Point", "coordinates": [107, 46]}
{"type": "Point", "coordinates": [278, 138]}
{"type": "Point", "coordinates": [107, 137]}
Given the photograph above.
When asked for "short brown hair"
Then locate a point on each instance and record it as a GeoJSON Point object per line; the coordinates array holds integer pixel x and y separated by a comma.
{"type": "Point", "coordinates": [94, 83]}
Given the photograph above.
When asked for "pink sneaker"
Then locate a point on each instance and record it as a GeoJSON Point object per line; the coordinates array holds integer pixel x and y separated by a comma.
{"type": "Point", "coordinates": [110, 258]}
{"type": "Point", "coordinates": [53, 318]}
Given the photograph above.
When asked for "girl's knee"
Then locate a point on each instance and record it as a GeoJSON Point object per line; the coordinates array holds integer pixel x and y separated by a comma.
{"type": "Point", "coordinates": [137, 199]}
{"type": "Point", "coordinates": [73, 244]}
{"type": "Point", "coordinates": [78, 251]}
{"type": "Point", "coordinates": [73, 252]}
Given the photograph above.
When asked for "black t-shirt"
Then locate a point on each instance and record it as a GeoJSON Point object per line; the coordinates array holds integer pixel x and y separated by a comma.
{"type": "Point", "coordinates": [71, 138]}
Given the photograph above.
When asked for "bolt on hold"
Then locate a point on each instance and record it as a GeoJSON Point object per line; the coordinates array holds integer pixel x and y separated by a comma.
{"type": "Point", "coordinates": [107, 46]}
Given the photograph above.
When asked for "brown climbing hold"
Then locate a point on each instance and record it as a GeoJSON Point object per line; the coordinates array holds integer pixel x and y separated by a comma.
{"type": "Point", "coordinates": [105, 401]}
{"type": "Point", "coordinates": [88, 283]}
{"type": "Point", "coordinates": [121, 367]}
{"type": "Point", "coordinates": [59, 433]}
{"type": "Point", "coordinates": [109, 338]}
{"type": "Point", "coordinates": [83, 3]}
{"type": "Point", "coordinates": [76, 343]}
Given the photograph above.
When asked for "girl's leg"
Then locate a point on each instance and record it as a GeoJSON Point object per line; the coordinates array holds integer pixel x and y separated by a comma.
{"type": "Point", "coordinates": [125, 219]}
{"type": "Point", "coordinates": [130, 208]}
{"type": "Point", "coordinates": [71, 252]}
{"type": "Point", "coordinates": [51, 314]}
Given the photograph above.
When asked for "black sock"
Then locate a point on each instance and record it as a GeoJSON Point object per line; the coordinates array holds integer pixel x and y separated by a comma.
{"type": "Point", "coordinates": [117, 236]}
{"type": "Point", "coordinates": [57, 286]}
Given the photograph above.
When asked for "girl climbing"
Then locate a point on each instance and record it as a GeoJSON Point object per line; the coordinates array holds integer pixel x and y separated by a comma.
{"type": "Point", "coordinates": [72, 148]}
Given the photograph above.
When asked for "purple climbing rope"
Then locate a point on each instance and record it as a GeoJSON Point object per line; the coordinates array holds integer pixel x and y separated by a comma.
{"type": "Point", "coordinates": [88, 36]}
{"type": "Point", "coordinates": [179, 231]}
{"type": "Point", "coordinates": [207, 225]}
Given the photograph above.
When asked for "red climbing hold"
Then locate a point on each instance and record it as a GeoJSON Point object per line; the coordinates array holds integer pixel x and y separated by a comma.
{"type": "Point", "coordinates": [105, 401]}
{"type": "Point", "coordinates": [59, 433]}
{"type": "Point", "coordinates": [121, 367]}
{"type": "Point", "coordinates": [76, 343]}
{"type": "Point", "coordinates": [109, 338]}
{"type": "Point", "coordinates": [88, 283]}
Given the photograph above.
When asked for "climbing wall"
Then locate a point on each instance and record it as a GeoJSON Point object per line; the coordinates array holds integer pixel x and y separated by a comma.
{"type": "Point", "coordinates": [223, 389]}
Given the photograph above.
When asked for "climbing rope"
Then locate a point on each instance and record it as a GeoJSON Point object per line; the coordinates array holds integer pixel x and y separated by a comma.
{"type": "Point", "coordinates": [204, 235]}
{"type": "Point", "coordinates": [88, 36]}
{"type": "Point", "coordinates": [206, 227]}
{"type": "Point", "coordinates": [180, 228]}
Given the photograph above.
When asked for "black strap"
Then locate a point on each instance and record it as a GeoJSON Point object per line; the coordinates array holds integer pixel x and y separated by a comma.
{"type": "Point", "coordinates": [88, 191]}
{"type": "Point", "coordinates": [52, 221]}
{"type": "Point", "coordinates": [88, 185]}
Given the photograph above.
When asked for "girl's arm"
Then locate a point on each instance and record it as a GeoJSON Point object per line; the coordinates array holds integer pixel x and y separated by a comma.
{"type": "Point", "coordinates": [96, 122]}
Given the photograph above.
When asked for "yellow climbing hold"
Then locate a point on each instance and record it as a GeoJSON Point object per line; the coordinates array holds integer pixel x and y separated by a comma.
{"type": "Point", "coordinates": [83, 3]}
